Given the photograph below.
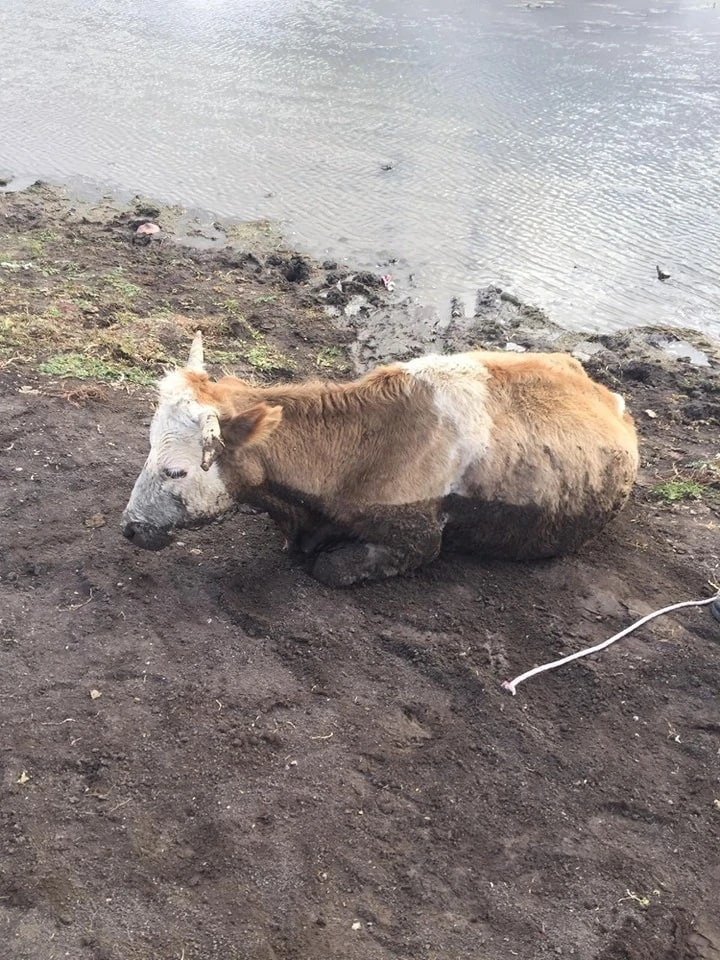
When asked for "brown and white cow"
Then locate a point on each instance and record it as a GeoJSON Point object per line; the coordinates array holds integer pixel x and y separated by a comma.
{"type": "Point", "coordinates": [510, 455]}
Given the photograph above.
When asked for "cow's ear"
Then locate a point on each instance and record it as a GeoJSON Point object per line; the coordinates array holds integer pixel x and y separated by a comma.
{"type": "Point", "coordinates": [252, 425]}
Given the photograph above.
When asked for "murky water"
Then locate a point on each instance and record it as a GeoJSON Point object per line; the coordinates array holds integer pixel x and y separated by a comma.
{"type": "Point", "coordinates": [559, 149]}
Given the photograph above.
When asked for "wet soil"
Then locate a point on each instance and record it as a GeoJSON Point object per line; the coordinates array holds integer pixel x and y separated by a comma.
{"type": "Point", "coordinates": [207, 754]}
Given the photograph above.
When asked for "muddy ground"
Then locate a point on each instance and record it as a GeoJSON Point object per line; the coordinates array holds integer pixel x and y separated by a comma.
{"type": "Point", "coordinates": [206, 754]}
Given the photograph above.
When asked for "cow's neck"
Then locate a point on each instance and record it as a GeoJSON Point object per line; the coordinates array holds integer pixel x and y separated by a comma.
{"type": "Point", "coordinates": [330, 432]}
{"type": "Point", "coordinates": [308, 453]}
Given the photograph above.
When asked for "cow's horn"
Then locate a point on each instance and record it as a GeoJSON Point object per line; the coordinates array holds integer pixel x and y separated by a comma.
{"type": "Point", "coordinates": [195, 360]}
{"type": "Point", "coordinates": [212, 442]}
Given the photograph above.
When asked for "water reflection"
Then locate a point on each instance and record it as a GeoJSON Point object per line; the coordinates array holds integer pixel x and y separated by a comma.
{"type": "Point", "coordinates": [564, 166]}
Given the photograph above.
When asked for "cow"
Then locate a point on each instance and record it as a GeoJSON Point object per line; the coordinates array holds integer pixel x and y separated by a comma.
{"type": "Point", "coordinates": [507, 455]}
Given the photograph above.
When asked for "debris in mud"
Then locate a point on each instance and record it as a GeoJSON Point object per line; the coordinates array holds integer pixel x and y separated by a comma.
{"type": "Point", "coordinates": [295, 269]}
{"type": "Point", "coordinates": [81, 395]}
{"type": "Point", "coordinates": [96, 520]}
{"type": "Point", "coordinates": [14, 265]}
{"type": "Point", "coordinates": [147, 210]}
{"type": "Point", "coordinates": [510, 298]}
{"type": "Point", "coordinates": [147, 230]}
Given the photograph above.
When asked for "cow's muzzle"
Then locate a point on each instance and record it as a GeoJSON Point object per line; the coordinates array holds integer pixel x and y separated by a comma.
{"type": "Point", "coordinates": [145, 536]}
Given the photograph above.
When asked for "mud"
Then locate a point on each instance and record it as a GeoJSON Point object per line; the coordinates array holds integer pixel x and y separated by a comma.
{"type": "Point", "coordinates": [207, 754]}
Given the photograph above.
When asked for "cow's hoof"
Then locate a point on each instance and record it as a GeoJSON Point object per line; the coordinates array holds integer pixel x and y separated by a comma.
{"type": "Point", "coordinates": [341, 567]}
{"type": "Point", "coordinates": [331, 573]}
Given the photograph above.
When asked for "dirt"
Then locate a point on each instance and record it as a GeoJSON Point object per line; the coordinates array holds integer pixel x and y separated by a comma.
{"type": "Point", "coordinates": [206, 754]}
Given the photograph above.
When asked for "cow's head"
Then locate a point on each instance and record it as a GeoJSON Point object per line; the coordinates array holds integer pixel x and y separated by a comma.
{"type": "Point", "coordinates": [191, 474]}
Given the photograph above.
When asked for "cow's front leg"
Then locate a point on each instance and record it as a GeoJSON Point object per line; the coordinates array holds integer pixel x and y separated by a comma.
{"type": "Point", "coordinates": [354, 562]}
{"type": "Point", "coordinates": [350, 563]}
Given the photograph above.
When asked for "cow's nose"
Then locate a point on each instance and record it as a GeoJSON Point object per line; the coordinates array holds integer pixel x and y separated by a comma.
{"type": "Point", "coordinates": [147, 537]}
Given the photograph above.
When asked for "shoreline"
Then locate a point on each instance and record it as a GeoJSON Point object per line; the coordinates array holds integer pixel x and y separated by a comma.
{"type": "Point", "coordinates": [50, 225]}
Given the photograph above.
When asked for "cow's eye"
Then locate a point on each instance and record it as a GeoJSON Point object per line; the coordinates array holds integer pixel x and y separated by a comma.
{"type": "Point", "coordinates": [175, 474]}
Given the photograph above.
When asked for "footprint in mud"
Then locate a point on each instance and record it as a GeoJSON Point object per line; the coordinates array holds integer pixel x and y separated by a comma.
{"type": "Point", "coordinates": [665, 934]}
{"type": "Point", "coordinates": [495, 649]}
{"type": "Point", "coordinates": [705, 938]}
{"type": "Point", "coordinates": [405, 727]}
{"type": "Point", "coordinates": [251, 623]}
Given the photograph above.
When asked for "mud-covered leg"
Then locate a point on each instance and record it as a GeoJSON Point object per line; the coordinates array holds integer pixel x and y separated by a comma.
{"type": "Point", "coordinates": [406, 543]}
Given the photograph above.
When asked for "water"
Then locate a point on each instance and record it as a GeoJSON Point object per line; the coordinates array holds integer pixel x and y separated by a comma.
{"type": "Point", "coordinates": [561, 150]}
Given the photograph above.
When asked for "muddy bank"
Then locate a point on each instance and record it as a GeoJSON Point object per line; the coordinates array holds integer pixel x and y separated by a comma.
{"type": "Point", "coordinates": [84, 293]}
{"type": "Point", "coordinates": [206, 754]}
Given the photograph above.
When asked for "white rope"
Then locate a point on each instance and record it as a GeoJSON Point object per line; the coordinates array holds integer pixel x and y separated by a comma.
{"type": "Point", "coordinates": [512, 685]}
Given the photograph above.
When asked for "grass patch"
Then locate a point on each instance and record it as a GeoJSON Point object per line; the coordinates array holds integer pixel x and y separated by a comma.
{"type": "Point", "coordinates": [674, 491]}
{"type": "Point", "coordinates": [332, 358]}
{"type": "Point", "coordinates": [267, 360]}
{"type": "Point", "coordinates": [76, 303]}
{"type": "Point", "coordinates": [36, 248]}
{"type": "Point", "coordinates": [238, 321]}
{"type": "Point", "coordinates": [223, 358]}
{"type": "Point", "coordinates": [229, 305]}
{"type": "Point", "coordinates": [117, 282]}
{"type": "Point", "coordinates": [699, 480]}
{"type": "Point", "coordinates": [80, 367]}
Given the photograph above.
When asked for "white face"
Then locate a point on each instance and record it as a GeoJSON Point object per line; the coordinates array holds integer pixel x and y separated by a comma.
{"type": "Point", "coordinates": [173, 490]}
